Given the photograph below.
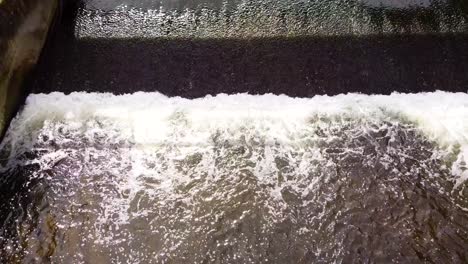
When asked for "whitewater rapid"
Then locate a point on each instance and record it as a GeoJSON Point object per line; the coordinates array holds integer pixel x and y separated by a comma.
{"type": "Point", "coordinates": [147, 119]}
{"type": "Point", "coordinates": [234, 178]}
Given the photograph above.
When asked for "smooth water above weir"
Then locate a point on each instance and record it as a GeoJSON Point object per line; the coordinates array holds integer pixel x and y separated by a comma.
{"type": "Point", "coordinates": [145, 178]}
{"type": "Point", "coordinates": [299, 67]}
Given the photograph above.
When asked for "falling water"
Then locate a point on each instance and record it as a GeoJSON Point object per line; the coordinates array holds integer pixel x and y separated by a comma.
{"type": "Point", "coordinates": [242, 19]}
{"type": "Point", "coordinates": [145, 178]}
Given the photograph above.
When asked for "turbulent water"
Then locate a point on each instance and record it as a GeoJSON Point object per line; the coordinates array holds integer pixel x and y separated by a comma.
{"type": "Point", "coordinates": [241, 19]}
{"type": "Point", "coordinates": [143, 178]}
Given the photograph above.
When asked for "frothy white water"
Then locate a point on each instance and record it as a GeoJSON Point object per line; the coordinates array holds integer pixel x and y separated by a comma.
{"type": "Point", "coordinates": [228, 171]}
{"type": "Point", "coordinates": [147, 119]}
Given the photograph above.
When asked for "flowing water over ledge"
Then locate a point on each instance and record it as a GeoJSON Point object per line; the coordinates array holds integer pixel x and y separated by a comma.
{"type": "Point", "coordinates": [240, 19]}
{"type": "Point", "coordinates": [144, 178]}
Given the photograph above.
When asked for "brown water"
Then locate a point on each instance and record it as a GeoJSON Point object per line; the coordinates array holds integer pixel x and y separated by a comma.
{"type": "Point", "coordinates": [343, 189]}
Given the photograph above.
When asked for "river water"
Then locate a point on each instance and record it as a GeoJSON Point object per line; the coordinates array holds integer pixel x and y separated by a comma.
{"type": "Point", "coordinates": [145, 178]}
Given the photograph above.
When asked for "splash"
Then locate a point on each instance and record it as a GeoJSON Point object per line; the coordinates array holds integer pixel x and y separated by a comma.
{"type": "Point", "coordinates": [236, 178]}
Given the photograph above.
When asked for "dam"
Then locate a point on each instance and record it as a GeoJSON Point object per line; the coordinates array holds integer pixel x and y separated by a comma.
{"type": "Point", "coordinates": [235, 131]}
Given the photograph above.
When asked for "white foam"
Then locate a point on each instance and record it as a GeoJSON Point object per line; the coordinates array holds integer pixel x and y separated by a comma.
{"type": "Point", "coordinates": [146, 147]}
{"type": "Point", "coordinates": [152, 118]}
{"type": "Point", "coordinates": [440, 114]}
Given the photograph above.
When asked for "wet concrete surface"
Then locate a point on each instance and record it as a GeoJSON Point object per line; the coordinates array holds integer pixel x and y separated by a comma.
{"type": "Point", "coordinates": [24, 26]}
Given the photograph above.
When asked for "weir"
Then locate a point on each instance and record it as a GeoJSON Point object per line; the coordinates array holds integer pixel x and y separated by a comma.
{"type": "Point", "coordinates": [235, 131]}
{"type": "Point", "coordinates": [298, 48]}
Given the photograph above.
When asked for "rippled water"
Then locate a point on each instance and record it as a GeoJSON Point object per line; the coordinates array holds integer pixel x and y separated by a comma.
{"type": "Point", "coordinates": [142, 178]}
{"type": "Point", "coordinates": [242, 19]}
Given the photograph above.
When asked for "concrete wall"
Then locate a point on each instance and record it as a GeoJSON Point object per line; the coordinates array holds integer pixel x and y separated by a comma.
{"type": "Point", "coordinates": [24, 26]}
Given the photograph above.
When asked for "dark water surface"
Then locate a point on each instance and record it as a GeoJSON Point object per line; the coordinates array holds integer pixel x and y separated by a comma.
{"type": "Point", "coordinates": [303, 66]}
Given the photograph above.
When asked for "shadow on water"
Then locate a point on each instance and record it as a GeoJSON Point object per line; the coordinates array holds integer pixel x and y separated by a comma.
{"type": "Point", "coordinates": [303, 66]}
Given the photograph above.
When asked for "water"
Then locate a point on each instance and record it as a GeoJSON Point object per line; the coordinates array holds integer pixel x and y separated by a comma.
{"type": "Point", "coordinates": [144, 178]}
{"type": "Point", "coordinates": [294, 47]}
{"type": "Point", "coordinates": [246, 19]}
